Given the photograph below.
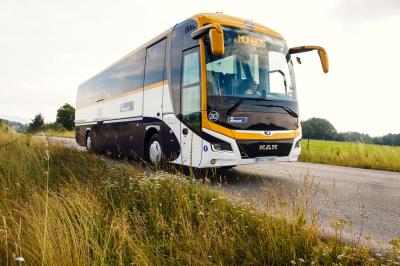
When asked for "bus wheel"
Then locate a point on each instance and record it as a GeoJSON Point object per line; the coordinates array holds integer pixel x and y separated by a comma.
{"type": "Point", "coordinates": [89, 142]}
{"type": "Point", "coordinates": [154, 153]}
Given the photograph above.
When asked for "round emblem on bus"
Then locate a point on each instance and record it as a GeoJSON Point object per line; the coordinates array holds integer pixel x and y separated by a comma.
{"type": "Point", "coordinates": [268, 133]}
{"type": "Point", "coordinates": [213, 116]}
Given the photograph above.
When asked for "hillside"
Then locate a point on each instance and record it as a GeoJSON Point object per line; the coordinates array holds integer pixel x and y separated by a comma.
{"type": "Point", "coordinates": [17, 126]}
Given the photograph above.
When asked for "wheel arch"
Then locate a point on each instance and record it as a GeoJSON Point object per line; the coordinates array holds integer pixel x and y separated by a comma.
{"type": "Point", "coordinates": [150, 131]}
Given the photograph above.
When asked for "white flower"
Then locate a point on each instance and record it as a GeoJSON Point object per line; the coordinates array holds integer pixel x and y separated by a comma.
{"type": "Point", "coordinates": [20, 259]}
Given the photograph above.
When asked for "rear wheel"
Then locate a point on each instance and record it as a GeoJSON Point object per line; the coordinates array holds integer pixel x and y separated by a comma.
{"type": "Point", "coordinates": [154, 152]}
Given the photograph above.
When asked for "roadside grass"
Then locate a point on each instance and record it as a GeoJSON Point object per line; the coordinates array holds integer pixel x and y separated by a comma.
{"type": "Point", "coordinates": [60, 133]}
{"type": "Point", "coordinates": [59, 206]}
{"type": "Point", "coordinates": [359, 155]}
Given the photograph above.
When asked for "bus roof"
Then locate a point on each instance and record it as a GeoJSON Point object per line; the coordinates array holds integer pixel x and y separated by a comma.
{"type": "Point", "coordinates": [205, 18]}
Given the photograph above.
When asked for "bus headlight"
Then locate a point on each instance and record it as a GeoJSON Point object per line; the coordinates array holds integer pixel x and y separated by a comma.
{"type": "Point", "coordinates": [222, 146]}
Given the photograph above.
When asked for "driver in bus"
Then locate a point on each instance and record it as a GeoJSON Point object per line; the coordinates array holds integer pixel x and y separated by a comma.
{"type": "Point", "coordinates": [251, 86]}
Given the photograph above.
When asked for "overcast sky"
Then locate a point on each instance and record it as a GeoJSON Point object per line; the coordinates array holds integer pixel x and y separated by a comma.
{"type": "Point", "coordinates": [49, 47]}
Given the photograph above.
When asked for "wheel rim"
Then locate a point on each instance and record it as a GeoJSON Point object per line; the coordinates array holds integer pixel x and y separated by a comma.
{"type": "Point", "coordinates": [88, 143]}
{"type": "Point", "coordinates": [155, 152]}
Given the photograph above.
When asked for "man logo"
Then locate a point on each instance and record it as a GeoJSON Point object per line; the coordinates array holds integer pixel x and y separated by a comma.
{"type": "Point", "coordinates": [268, 133]}
{"type": "Point", "coordinates": [268, 147]}
{"type": "Point", "coordinates": [213, 116]}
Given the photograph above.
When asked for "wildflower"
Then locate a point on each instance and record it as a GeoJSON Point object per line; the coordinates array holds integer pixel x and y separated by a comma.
{"type": "Point", "coordinates": [292, 262]}
{"type": "Point", "coordinates": [201, 213]}
{"type": "Point", "coordinates": [20, 259]}
{"type": "Point", "coordinates": [301, 260]}
{"type": "Point", "coordinates": [340, 256]}
{"type": "Point", "coordinates": [378, 254]}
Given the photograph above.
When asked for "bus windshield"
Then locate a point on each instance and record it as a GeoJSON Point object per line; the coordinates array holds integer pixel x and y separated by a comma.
{"type": "Point", "coordinates": [254, 65]}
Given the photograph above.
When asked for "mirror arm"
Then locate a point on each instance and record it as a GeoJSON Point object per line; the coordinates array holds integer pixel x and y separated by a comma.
{"type": "Point", "coordinates": [321, 52]}
{"type": "Point", "coordinates": [205, 29]}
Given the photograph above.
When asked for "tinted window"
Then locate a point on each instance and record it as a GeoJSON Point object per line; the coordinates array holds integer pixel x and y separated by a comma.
{"type": "Point", "coordinates": [126, 75]}
{"type": "Point", "coordinates": [191, 74]}
{"type": "Point", "coordinates": [155, 63]}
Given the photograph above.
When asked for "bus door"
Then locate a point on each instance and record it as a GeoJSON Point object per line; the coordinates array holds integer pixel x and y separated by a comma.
{"type": "Point", "coordinates": [154, 80]}
{"type": "Point", "coordinates": [191, 142]}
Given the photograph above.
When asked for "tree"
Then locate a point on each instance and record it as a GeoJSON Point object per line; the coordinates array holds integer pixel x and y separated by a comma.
{"type": "Point", "coordinates": [66, 116]}
{"type": "Point", "coordinates": [318, 128]}
{"type": "Point", "coordinates": [36, 123]}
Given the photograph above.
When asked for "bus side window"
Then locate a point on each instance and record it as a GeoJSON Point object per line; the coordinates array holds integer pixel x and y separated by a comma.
{"type": "Point", "coordinates": [190, 92]}
{"type": "Point", "coordinates": [154, 71]}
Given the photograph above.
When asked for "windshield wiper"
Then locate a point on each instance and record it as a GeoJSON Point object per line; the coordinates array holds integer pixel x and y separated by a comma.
{"type": "Point", "coordinates": [287, 109]}
{"type": "Point", "coordinates": [236, 105]}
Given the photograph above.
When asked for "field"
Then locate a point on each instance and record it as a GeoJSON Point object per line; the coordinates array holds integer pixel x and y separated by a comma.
{"type": "Point", "coordinates": [63, 134]}
{"type": "Point", "coordinates": [62, 207]}
{"type": "Point", "coordinates": [359, 155]}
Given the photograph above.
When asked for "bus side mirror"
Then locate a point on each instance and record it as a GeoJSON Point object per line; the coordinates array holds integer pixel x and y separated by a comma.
{"type": "Point", "coordinates": [321, 52]}
{"type": "Point", "coordinates": [216, 35]}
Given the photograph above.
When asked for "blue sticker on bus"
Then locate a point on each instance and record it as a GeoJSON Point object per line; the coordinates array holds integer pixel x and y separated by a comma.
{"type": "Point", "coordinates": [205, 148]}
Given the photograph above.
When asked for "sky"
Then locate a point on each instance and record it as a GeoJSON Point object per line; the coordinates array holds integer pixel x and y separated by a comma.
{"type": "Point", "coordinates": [49, 47]}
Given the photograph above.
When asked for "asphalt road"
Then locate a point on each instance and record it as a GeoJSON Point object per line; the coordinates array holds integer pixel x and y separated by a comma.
{"type": "Point", "coordinates": [369, 200]}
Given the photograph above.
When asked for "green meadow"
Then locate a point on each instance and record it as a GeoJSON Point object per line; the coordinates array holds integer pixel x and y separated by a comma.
{"type": "Point", "coordinates": [359, 155]}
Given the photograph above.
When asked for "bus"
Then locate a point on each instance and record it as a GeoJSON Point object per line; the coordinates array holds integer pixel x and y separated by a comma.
{"type": "Point", "coordinates": [212, 91]}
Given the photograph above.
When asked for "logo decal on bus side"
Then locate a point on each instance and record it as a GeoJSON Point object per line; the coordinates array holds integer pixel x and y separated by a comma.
{"type": "Point", "coordinates": [205, 148]}
{"type": "Point", "coordinates": [127, 106]}
{"type": "Point", "coordinates": [268, 147]}
{"type": "Point", "coordinates": [213, 116]}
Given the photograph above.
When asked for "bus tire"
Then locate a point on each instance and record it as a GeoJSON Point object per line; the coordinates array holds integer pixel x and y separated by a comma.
{"type": "Point", "coordinates": [154, 151]}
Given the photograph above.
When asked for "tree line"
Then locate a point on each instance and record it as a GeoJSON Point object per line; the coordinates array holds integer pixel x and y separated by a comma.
{"type": "Point", "coordinates": [65, 120]}
{"type": "Point", "coordinates": [319, 128]}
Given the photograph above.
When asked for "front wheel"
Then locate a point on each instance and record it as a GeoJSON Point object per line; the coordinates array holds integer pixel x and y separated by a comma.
{"type": "Point", "coordinates": [154, 152]}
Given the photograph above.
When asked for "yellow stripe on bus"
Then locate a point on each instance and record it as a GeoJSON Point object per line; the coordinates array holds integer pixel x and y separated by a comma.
{"type": "Point", "coordinates": [124, 94]}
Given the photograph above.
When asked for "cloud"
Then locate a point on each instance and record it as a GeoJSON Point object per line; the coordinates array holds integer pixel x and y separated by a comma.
{"type": "Point", "coordinates": [366, 10]}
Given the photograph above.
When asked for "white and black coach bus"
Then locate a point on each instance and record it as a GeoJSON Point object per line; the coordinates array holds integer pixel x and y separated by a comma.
{"type": "Point", "coordinates": [212, 91]}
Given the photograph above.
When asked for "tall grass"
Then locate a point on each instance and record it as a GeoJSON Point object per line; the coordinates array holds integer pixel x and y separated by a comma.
{"type": "Point", "coordinates": [60, 133]}
{"type": "Point", "coordinates": [359, 155]}
{"type": "Point", "coordinates": [72, 208]}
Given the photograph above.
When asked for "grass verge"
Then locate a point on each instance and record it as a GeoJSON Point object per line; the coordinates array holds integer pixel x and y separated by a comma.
{"type": "Point", "coordinates": [62, 207]}
{"type": "Point", "coordinates": [359, 155]}
{"type": "Point", "coordinates": [63, 133]}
